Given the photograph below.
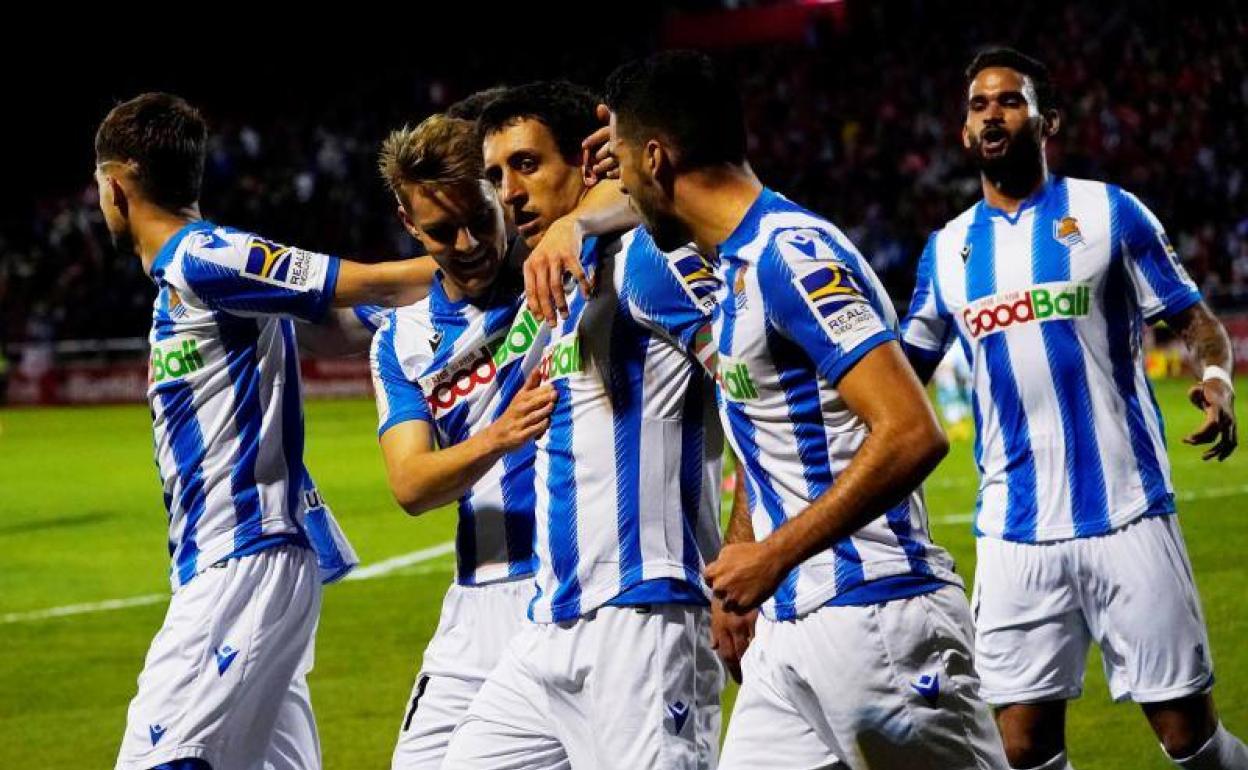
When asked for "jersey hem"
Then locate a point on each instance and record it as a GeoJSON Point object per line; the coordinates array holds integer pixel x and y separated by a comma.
{"type": "Point", "coordinates": [598, 596]}
{"type": "Point", "coordinates": [827, 591]}
{"type": "Point", "coordinates": [1163, 507]}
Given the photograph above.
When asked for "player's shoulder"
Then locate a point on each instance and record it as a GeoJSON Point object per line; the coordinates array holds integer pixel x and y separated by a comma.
{"type": "Point", "coordinates": [651, 272]}
{"type": "Point", "coordinates": [797, 240]}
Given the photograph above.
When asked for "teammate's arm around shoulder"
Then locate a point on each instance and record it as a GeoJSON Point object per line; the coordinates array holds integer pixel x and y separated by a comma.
{"type": "Point", "coordinates": [904, 445]}
{"type": "Point", "coordinates": [1210, 348]}
{"type": "Point", "coordinates": [392, 284]}
{"type": "Point", "coordinates": [423, 477]}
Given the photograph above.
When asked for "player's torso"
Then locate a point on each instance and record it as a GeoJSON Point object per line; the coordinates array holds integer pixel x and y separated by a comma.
{"type": "Point", "coordinates": [478, 360]}
{"type": "Point", "coordinates": [625, 480]}
{"type": "Point", "coordinates": [790, 428]}
{"type": "Point", "coordinates": [227, 416]}
{"type": "Point", "coordinates": [1043, 306]}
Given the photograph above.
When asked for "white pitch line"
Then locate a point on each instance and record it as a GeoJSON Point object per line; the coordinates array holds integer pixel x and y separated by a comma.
{"type": "Point", "coordinates": [380, 569]}
{"type": "Point", "coordinates": [1182, 497]}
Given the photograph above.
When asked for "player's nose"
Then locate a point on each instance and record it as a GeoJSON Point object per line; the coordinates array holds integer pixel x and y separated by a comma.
{"type": "Point", "coordinates": [465, 241]}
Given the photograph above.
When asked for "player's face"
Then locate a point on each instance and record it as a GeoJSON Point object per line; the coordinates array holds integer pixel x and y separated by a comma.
{"type": "Point", "coordinates": [534, 181]}
{"type": "Point", "coordinates": [1003, 119]}
{"type": "Point", "coordinates": [114, 206]}
{"type": "Point", "coordinates": [462, 229]}
{"type": "Point", "coordinates": [645, 195]}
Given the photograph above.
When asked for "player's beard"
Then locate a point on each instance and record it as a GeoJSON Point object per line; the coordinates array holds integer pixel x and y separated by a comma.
{"type": "Point", "coordinates": [1018, 170]}
{"type": "Point", "coordinates": [668, 232]}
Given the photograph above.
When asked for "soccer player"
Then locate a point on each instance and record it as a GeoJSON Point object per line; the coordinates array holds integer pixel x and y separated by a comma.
{"type": "Point", "coordinates": [1047, 283]}
{"type": "Point", "coordinates": [616, 670]}
{"type": "Point", "coordinates": [457, 417]}
{"type": "Point", "coordinates": [224, 684]}
{"type": "Point", "coordinates": [862, 654]}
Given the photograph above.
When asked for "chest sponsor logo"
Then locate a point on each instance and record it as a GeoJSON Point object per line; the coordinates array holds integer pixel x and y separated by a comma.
{"type": "Point", "coordinates": [734, 380]}
{"type": "Point", "coordinates": [1038, 304]}
{"type": "Point", "coordinates": [474, 371]}
{"type": "Point", "coordinates": [174, 359]}
{"type": "Point", "coordinates": [563, 359]}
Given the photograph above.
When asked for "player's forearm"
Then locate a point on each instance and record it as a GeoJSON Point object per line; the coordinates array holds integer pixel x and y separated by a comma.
{"type": "Point", "coordinates": [391, 284]}
{"type": "Point", "coordinates": [890, 464]}
{"type": "Point", "coordinates": [740, 528]}
{"type": "Point", "coordinates": [427, 480]}
{"type": "Point", "coordinates": [340, 334]}
{"type": "Point", "coordinates": [1206, 339]}
{"type": "Point", "coordinates": [604, 209]}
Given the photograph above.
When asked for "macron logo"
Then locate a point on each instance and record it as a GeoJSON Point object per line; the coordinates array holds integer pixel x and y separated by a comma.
{"type": "Point", "coordinates": [679, 712]}
{"type": "Point", "coordinates": [225, 656]}
{"type": "Point", "coordinates": [928, 686]}
{"type": "Point", "coordinates": [157, 733]}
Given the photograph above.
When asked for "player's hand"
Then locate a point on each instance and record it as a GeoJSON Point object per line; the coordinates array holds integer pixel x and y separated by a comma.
{"type": "Point", "coordinates": [596, 159]}
{"type": "Point", "coordinates": [526, 418]}
{"type": "Point", "coordinates": [731, 634]}
{"type": "Point", "coordinates": [1217, 400]}
{"type": "Point", "coordinates": [559, 252]}
{"type": "Point", "coordinates": [744, 575]}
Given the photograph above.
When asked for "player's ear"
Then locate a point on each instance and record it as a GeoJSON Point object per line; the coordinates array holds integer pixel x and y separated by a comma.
{"type": "Point", "coordinates": [660, 163]}
{"type": "Point", "coordinates": [1052, 122]}
{"type": "Point", "coordinates": [120, 200]}
{"type": "Point", "coordinates": [966, 137]}
{"type": "Point", "coordinates": [406, 220]}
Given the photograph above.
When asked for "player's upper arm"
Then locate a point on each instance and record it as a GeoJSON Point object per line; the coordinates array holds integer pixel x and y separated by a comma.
{"type": "Point", "coordinates": [673, 293]}
{"type": "Point", "coordinates": [400, 443]}
{"type": "Point", "coordinates": [1162, 287]}
{"type": "Point", "coordinates": [399, 399]}
{"type": "Point", "coordinates": [927, 331]}
{"type": "Point", "coordinates": [393, 284]}
{"type": "Point", "coordinates": [814, 297]}
{"type": "Point", "coordinates": [250, 276]}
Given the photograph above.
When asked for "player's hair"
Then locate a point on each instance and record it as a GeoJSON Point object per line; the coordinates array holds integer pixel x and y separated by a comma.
{"type": "Point", "coordinates": [165, 138]}
{"type": "Point", "coordinates": [1033, 69]}
{"type": "Point", "coordinates": [566, 109]}
{"type": "Point", "coordinates": [440, 152]}
{"type": "Point", "coordinates": [471, 106]}
{"type": "Point", "coordinates": [683, 98]}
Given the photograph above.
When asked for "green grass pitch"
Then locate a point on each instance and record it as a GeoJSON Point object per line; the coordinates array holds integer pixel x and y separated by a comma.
{"type": "Point", "coordinates": [81, 522]}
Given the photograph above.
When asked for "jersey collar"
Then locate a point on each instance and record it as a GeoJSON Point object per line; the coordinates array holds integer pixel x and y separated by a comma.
{"type": "Point", "coordinates": [165, 255]}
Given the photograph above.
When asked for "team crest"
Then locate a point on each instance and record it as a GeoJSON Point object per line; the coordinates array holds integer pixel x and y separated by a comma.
{"type": "Point", "coordinates": [739, 296]}
{"type": "Point", "coordinates": [1066, 231]}
{"type": "Point", "coordinates": [276, 264]}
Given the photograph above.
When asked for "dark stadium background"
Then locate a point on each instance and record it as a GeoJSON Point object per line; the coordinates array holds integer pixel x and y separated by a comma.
{"type": "Point", "coordinates": [854, 111]}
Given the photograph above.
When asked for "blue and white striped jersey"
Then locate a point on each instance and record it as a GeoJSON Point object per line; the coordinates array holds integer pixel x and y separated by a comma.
{"type": "Point", "coordinates": [799, 307]}
{"type": "Point", "coordinates": [225, 390]}
{"type": "Point", "coordinates": [628, 475]}
{"type": "Point", "coordinates": [1049, 304]}
{"type": "Point", "coordinates": [456, 365]}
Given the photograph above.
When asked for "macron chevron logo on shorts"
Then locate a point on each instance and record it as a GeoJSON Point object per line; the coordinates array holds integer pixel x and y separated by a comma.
{"type": "Point", "coordinates": [928, 686]}
{"type": "Point", "coordinates": [679, 712]}
{"type": "Point", "coordinates": [225, 656]}
{"type": "Point", "coordinates": [157, 732]}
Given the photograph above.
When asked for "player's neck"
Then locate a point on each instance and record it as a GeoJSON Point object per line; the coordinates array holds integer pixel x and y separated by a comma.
{"type": "Point", "coordinates": [152, 228]}
{"type": "Point", "coordinates": [1008, 192]}
{"type": "Point", "coordinates": [714, 201]}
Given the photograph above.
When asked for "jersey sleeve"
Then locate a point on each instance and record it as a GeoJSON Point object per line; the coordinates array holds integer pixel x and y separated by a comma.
{"type": "Point", "coordinates": [250, 276]}
{"type": "Point", "coordinates": [671, 293]}
{"type": "Point", "coordinates": [399, 399]}
{"type": "Point", "coordinates": [814, 296]}
{"type": "Point", "coordinates": [1162, 287]}
{"type": "Point", "coordinates": [927, 331]}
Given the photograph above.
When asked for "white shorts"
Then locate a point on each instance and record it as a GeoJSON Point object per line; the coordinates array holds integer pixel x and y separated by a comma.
{"type": "Point", "coordinates": [619, 689]}
{"type": "Point", "coordinates": [225, 677]}
{"type": "Point", "coordinates": [878, 686]}
{"type": "Point", "coordinates": [476, 625]}
{"type": "Point", "coordinates": [1038, 607]}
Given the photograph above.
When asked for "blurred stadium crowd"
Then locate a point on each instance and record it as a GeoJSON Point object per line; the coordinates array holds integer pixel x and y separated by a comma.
{"type": "Point", "coordinates": [858, 120]}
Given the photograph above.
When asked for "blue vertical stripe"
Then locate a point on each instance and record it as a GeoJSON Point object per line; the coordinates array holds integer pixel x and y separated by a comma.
{"type": "Point", "coordinates": [292, 425]}
{"type": "Point", "coordinates": [981, 281]}
{"type": "Point", "coordinates": [466, 542]}
{"type": "Point", "coordinates": [692, 460]}
{"type": "Point", "coordinates": [1051, 263]}
{"type": "Point", "coordinates": [238, 340]}
{"type": "Point", "coordinates": [1124, 338]}
{"type": "Point", "coordinates": [743, 431]}
{"type": "Point", "coordinates": [177, 402]}
{"type": "Point", "coordinates": [898, 518]}
{"type": "Point", "coordinates": [627, 369]}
